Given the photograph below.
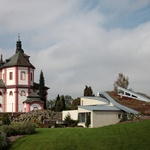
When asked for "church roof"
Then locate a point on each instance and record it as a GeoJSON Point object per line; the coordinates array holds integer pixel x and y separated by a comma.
{"type": "Point", "coordinates": [36, 86]}
{"type": "Point", "coordinates": [2, 85]}
{"type": "Point", "coordinates": [33, 97]}
{"type": "Point", "coordinates": [17, 59]}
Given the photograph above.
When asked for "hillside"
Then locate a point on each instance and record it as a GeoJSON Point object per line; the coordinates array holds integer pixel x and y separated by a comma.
{"type": "Point", "coordinates": [127, 136]}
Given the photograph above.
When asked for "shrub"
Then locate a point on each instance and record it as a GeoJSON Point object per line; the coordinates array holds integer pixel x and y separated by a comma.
{"type": "Point", "coordinates": [3, 141]}
{"type": "Point", "coordinates": [25, 128]}
{"type": "Point", "coordinates": [29, 128]}
{"type": "Point", "coordinates": [9, 130]}
{"type": "Point", "coordinates": [87, 123]}
{"type": "Point", "coordinates": [6, 120]}
{"type": "Point", "coordinates": [69, 121]}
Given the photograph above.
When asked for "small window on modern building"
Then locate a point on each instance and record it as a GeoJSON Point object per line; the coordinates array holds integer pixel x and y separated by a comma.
{"type": "Point", "coordinates": [23, 75]}
{"type": "Point", "coordinates": [10, 75]}
{"type": "Point", "coordinates": [10, 93]}
{"type": "Point", "coordinates": [81, 117]}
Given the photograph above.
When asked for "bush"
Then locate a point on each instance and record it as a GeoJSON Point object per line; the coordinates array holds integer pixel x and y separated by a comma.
{"type": "Point", "coordinates": [9, 130]}
{"type": "Point", "coordinates": [87, 123]}
{"type": "Point", "coordinates": [6, 120]}
{"type": "Point", "coordinates": [25, 128]}
{"type": "Point", "coordinates": [69, 121]}
{"type": "Point", "coordinates": [29, 128]}
{"type": "Point", "coordinates": [3, 141]}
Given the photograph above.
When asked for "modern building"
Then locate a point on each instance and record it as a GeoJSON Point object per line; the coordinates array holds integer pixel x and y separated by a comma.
{"type": "Point", "coordinates": [16, 81]}
{"type": "Point", "coordinates": [109, 107]}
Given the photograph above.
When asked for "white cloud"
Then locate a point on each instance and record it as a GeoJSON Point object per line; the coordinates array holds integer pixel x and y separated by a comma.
{"type": "Point", "coordinates": [70, 43]}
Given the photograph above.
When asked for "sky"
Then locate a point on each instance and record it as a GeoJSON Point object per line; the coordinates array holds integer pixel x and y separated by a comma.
{"type": "Point", "coordinates": [80, 42]}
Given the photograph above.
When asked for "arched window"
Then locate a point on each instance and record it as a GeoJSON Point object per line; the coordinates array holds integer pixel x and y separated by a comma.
{"type": "Point", "coordinates": [0, 105]}
{"type": "Point", "coordinates": [10, 93]}
{"type": "Point", "coordinates": [35, 108]}
{"type": "Point", "coordinates": [1, 94]}
{"type": "Point", "coordinates": [23, 93]}
{"type": "Point", "coordinates": [23, 75]}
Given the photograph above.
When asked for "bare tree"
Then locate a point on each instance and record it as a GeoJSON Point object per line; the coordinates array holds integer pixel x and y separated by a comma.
{"type": "Point", "coordinates": [122, 81]}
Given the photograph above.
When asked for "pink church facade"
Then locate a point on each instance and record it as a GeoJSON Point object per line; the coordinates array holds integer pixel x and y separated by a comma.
{"type": "Point", "coordinates": [17, 82]}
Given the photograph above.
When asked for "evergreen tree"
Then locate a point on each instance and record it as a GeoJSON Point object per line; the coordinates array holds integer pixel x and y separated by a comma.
{"type": "Point", "coordinates": [88, 91]}
{"type": "Point", "coordinates": [60, 103]}
{"type": "Point", "coordinates": [68, 120]}
{"type": "Point", "coordinates": [42, 90]}
{"type": "Point", "coordinates": [85, 90]}
{"type": "Point", "coordinates": [63, 102]}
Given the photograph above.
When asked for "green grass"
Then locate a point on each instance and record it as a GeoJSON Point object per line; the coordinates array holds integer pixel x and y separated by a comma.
{"type": "Point", "coordinates": [128, 136]}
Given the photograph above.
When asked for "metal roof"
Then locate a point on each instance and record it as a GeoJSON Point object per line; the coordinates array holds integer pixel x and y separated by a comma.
{"type": "Point", "coordinates": [98, 98]}
{"type": "Point", "coordinates": [32, 98]}
{"type": "Point", "coordinates": [2, 85]}
{"type": "Point", "coordinates": [17, 59]}
{"type": "Point", "coordinates": [99, 107]}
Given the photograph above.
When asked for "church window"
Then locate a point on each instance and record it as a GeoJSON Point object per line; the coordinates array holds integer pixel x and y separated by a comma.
{"type": "Point", "coordinates": [31, 77]}
{"type": "Point", "coordinates": [0, 105]}
{"type": "Point", "coordinates": [23, 77]}
{"type": "Point", "coordinates": [10, 75]}
{"type": "Point", "coordinates": [1, 94]}
{"type": "Point", "coordinates": [10, 93]}
{"type": "Point", "coordinates": [23, 93]}
{"type": "Point", "coordinates": [35, 108]}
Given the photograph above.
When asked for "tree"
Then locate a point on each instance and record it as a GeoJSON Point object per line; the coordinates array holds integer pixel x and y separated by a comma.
{"type": "Point", "coordinates": [42, 89]}
{"type": "Point", "coordinates": [60, 103]}
{"type": "Point", "coordinates": [122, 81]}
{"type": "Point", "coordinates": [63, 102]}
{"type": "Point", "coordinates": [68, 101]}
{"type": "Point", "coordinates": [75, 103]}
{"type": "Point", "coordinates": [57, 103]}
{"type": "Point", "coordinates": [88, 91]}
{"type": "Point", "coordinates": [69, 121]}
{"type": "Point", "coordinates": [51, 104]}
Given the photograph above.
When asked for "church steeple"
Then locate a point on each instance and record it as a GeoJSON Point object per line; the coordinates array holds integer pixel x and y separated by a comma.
{"type": "Point", "coordinates": [19, 45]}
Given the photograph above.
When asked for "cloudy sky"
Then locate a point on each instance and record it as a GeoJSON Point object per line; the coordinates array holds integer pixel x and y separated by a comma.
{"type": "Point", "coordinates": [80, 42]}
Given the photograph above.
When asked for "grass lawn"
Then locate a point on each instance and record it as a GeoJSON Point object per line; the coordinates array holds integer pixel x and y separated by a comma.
{"type": "Point", "coordinates": [127, 136]}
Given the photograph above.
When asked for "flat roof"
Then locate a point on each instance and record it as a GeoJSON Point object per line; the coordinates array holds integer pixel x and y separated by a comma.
{"type": "Point", "coordinates": [99, 107]}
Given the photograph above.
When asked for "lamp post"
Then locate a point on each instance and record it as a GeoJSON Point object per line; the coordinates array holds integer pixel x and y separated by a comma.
{"type": "Point", "coordinates": [12, 109]}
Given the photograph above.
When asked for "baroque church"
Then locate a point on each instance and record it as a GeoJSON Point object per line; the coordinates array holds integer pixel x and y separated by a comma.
{"type": "Point", "coordinates": [18, 91]}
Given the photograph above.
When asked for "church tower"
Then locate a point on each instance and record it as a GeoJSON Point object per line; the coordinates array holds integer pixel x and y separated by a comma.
{"type": "Point", "coordinates": [16, 80]}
